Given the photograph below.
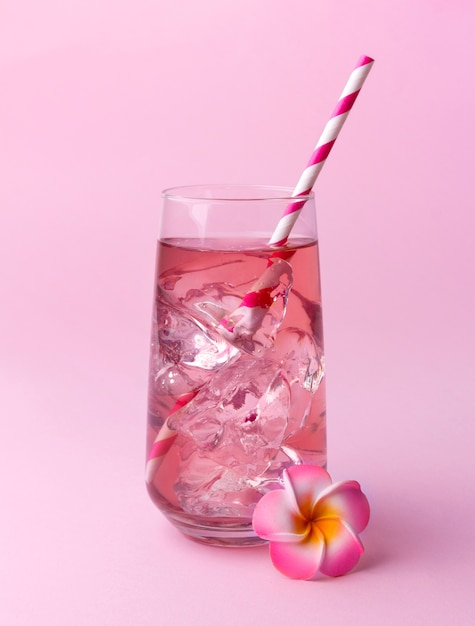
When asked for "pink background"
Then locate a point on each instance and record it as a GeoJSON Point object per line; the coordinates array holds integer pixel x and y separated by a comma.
{"type": "Point", "coordinates": [102, 104]}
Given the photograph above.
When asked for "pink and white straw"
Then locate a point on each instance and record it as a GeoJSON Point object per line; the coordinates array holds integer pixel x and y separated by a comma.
{"type": "Point", "coordinates": [164, 440]}
{"type": "Point", "coordinates": [248, 317]}
{"type": "Point", "coordinates": [322, 149]}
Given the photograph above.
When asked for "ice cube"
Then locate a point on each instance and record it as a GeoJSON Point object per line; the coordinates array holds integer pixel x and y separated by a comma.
{"type": "Point", "coordinates": [207, 300]}
{"type": "Point", "coordinates": [184, 352]}
{"type": "Point", "coordinates": [234, 427]}
{"type": "Point", "coordinates": [246, 312]}
{"type": "Point", "coordinates": [248, 402]}
{"type": "Point", "coordinates": [206, 487]}
{"type": "Point", "coordinates": [253, 325]}
{"type": "Point", "coordinates": [302, 362]}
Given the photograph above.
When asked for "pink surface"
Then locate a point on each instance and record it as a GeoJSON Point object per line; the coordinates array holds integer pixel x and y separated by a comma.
{"type": "Point", "coordinates": [104, 104]}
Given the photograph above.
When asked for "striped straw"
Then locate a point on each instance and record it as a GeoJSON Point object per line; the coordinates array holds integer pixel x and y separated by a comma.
{"type": "Point", "coordinates": [164, 440]}
{"type": "Point", "coordinates": [322, 149]}
{"type": "Point", "coordinates": [258, 300]}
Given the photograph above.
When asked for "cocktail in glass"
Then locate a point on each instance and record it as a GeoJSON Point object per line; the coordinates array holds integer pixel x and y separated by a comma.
{"type": "Point", "coordinates": [236, 384]}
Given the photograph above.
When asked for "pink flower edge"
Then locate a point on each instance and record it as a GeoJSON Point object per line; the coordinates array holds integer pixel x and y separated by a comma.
{"type": "Point", "coordinates": [312, 524]}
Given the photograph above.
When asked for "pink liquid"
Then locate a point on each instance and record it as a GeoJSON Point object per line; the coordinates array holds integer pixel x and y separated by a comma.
{"type": "Point", "coordinates": [207, 486]}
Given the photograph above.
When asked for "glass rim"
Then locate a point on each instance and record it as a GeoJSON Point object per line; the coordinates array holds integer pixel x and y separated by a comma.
{"type": "Point", "coordinates": [192, 192]}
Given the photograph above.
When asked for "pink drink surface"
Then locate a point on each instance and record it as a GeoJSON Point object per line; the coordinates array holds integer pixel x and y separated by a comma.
{"type": "Point", "coordinates": [234, 405]}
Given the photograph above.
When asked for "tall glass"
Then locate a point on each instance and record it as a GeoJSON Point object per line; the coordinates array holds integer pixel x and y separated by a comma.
{"type": "Point", "coordinates": [236, 387]}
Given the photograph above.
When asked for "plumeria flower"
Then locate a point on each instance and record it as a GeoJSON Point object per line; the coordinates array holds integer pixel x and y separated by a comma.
{"type": "Point", "coordinates": [312, 525]}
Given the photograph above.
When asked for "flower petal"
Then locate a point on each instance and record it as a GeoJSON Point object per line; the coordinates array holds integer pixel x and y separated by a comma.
{"type": "Point", "coordinates": [299, 560]}
{"type": "Point", "coordinates": [304, 483]}
{"type": "Point", "coordinates": [275, 519]}
{"type": "Point", "coordinates": [346, 501]}
{"type": "Point", "coordinates": [342, 547]}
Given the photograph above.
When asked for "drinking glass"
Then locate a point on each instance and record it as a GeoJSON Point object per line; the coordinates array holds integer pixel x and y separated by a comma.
{"type": "Point", "coordinates": [236, 375]}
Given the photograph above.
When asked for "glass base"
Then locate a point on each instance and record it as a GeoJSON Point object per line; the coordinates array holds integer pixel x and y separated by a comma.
{"type": "Point", "coordinates": [225, 535]}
